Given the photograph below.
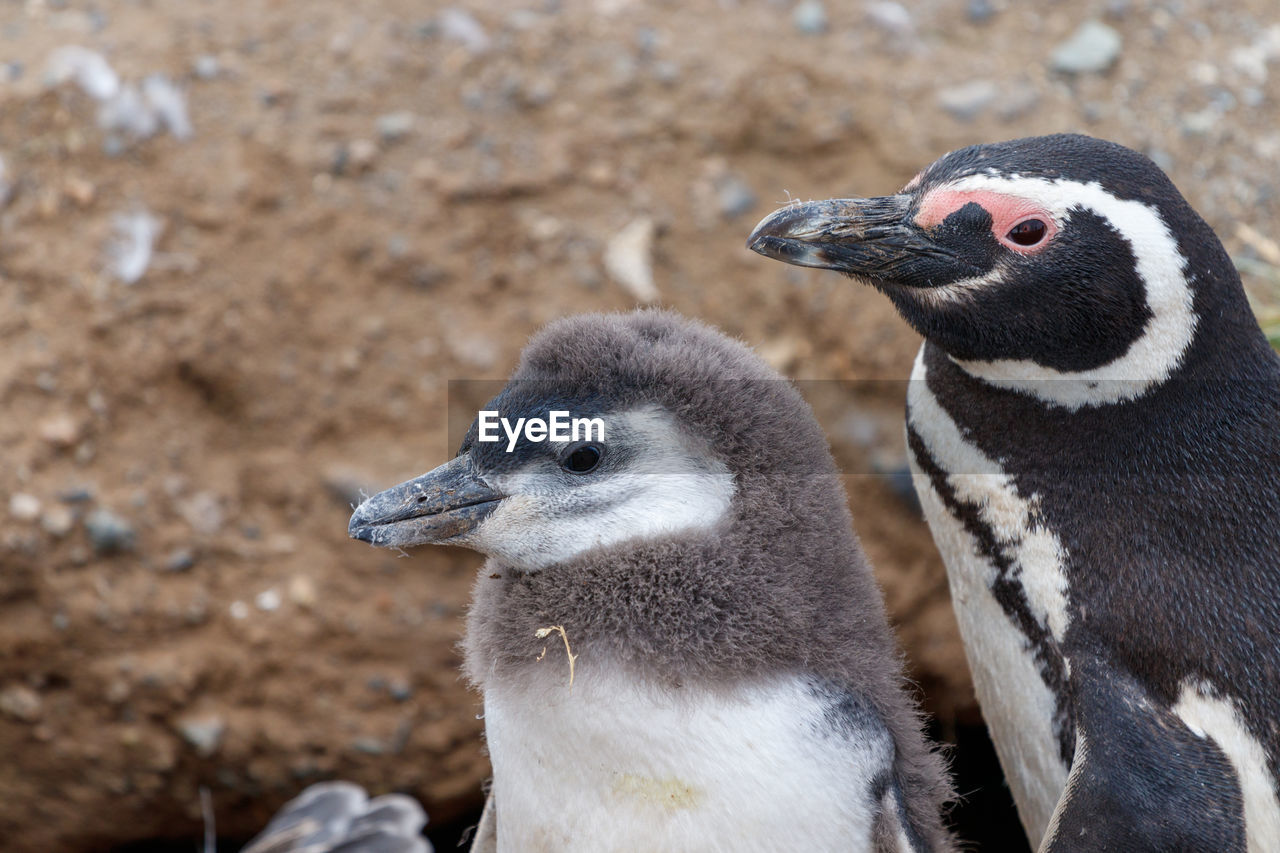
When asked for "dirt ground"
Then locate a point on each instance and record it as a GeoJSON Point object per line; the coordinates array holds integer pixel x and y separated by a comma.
{"type": "Point", "coordinates": [374, 201]}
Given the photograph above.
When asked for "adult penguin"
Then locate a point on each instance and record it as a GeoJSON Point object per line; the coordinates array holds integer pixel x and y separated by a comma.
{"type": "Point", "coordinates": [1094, 423]}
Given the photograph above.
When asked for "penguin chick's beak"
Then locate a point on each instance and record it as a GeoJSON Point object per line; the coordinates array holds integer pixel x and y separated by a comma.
{"type": "Point", "coordinates": [439, 507]}
{"type": "Point", "coordinates": [872, 237]}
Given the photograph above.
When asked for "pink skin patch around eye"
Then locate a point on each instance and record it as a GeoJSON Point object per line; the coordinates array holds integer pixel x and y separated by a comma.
{"type": "Point", "coordinates": [1006, 211]}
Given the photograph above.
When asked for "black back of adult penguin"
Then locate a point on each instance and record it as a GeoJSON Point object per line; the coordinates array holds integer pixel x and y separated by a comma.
{"type": "Point", "coordinates": [1094, 423]}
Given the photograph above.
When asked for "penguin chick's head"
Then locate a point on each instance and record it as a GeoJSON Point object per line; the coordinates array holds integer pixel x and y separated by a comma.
{"type": "Point", "coordinates": [660, 422]}
{"type": "Point", "coordinates": [1037, 257]}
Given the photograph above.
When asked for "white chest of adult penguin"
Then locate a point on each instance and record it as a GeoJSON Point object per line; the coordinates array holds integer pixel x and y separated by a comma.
{"type": "Point", "coordinates": [1094, 421]}
{"type": "Point", "coordinates": [734, 684]}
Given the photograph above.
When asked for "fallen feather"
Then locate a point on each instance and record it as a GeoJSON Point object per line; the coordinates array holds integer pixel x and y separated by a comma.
{"type": "Point", "coordinates": [88, 69]}
{"type": "Point", "coordinates": [168, 103]}
{"type": "Point", "coordinates": [129, 253]}
{"type": "Point", "coordinates": [128, 113]}
{"type": "Point", "coordinates": [628, 259]}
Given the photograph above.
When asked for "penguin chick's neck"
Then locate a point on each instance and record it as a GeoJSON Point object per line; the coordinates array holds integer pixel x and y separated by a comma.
{"type": "Point", "coordinates": [714, 606]}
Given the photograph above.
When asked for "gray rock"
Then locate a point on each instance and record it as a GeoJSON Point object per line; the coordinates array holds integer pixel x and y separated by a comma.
{"type": "Point", "coordinates": [1200, 122]}
{"type": "Point", "coordinates": [893, 18]}
{"type": "Point", "coordinates": [204, 732]}
{"type": "Point", "coordinates": [207, 66]}
{"type": "Point", "coordinates": [392, 127]}
{"type": "Point", "coordinates": [369, 745]}
{"type": "Point", "coordinates": [734, 196]}
{"type": "Point", "coordinates": [459, 25]}
{"type": "Point", "coordinates": [180, 560]}
{"type": "Point", "coordinates": [76, 494]}
{"type": "Point", "coordinates": [1092, 48]}
{"type": "Point", "coordinates": [980, 11]}
{"type": "Point", "coordinates": [810, 17]}
{"type": "Point", "coordinates": [108, 532]}
{"type": "Point", "coordinates": [966, 101]}
{"type": "Point", "coordinates": [400, 689]}
{"type": "Point", "coordinates": [1117, 9]}
{"type": "Point", "coordinates": [1017, 101]}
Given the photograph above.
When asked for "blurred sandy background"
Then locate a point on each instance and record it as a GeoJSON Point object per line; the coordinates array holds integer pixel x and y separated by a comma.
{"type": "Point", "coordinates": [245, 246]}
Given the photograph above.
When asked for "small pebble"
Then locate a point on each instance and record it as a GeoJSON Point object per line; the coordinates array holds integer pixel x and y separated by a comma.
{"type": "Point", "coordinates": [980, 11]}
{"type": "Point", "coordinates": [1017, 101]}
{"type": "Point", "coordinates": [393, 127]}
{"type": "Point", "coordinates": [180, 560]}
{"type": "Point", "coordinates": [204, 732]}
{"type": "Point", "coordinates": [207, 66]}
{"type": "Point", "coordinates": [23, 506]}
{"type": "Point", "coordinates": [810, 17]}
{"type": "Point", "coordinates": [108, 532]}
{"type": "Point", "coordinates": [966, 101]}
{"type": "Point", "coordinates": [21, 703]}
{"type": "Point", "coordinates": [76, 495]}
{"type": "Point", "coordinates": [459, 25]}
{"type": "Point", "coordinates": [369, 745]}
{"type": "Point", "coordinates": [1092, 48]}
{"type": "Point", "coordinates": [267, 600]}
{"type": "Point", "coordinates": [238, 610]}
{"type": "Point", "coordinates": [1117, 9]}
{"type": "Point", "coordinates": [302, 591]}
{"type": "Point", "coordinates": [60, 430]}
{"type": "Point", "coordinates": [894, 18]}
{"type": "Point", "coordinates": [734, 196]}
{"type": "Point", "coordinates": [361, 153]}
{"type": "Point", "coordinates": [203, 512]}
{"type": "Point", "coordinates": [400, 690]}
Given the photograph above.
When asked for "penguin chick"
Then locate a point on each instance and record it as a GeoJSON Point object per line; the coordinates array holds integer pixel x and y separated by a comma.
{"type": "Point", "coordinates": [1094, 426]}
{"type": "Point", "coordinates": [679, 640]}
{"type": "Point", "coordinates": [339, 817]}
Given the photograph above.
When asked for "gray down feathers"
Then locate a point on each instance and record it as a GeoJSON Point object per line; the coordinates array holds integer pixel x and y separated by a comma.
{"type": "Point", "coordinates": [783, 587]}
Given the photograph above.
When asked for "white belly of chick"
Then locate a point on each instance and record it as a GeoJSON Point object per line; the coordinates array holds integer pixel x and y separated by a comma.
{"type": "Point", "coordinates": [612, 767]}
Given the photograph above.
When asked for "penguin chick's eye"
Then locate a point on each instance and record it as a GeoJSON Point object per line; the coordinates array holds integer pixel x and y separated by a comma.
{"type": "Point", "coordinates": [1028, 232]}
{"type": "Point", "coordinates": [582, 460]}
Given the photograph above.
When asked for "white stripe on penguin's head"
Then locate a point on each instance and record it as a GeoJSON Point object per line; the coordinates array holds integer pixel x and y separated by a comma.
{"type": "Point", "coordinates": [1157, 352]}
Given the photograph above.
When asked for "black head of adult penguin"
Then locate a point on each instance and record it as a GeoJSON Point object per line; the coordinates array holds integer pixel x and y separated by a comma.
{"type": "Point", "coordinates": [704, 543]}
{"type": "Point", "coordinates": [1047, 257]}
{"type": "Point", "coordinates": [1114, 564]}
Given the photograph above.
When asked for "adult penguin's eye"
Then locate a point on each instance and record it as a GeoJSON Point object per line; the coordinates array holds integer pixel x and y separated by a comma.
{"type": "Point", "coordinates": [1028, 232]}
{"type": "Point", "coordinates": [583, 460]}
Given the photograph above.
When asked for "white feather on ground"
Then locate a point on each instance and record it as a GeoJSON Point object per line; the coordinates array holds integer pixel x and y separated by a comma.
{"type": "Point", "coordinates": [129, 252]}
